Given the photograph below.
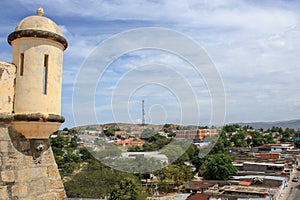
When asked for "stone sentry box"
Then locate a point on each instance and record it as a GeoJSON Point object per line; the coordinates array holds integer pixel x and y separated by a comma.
{"type": "Point", "coordinates": [37, 46]}
{"type": "Point", "coordinates": [30, 110]}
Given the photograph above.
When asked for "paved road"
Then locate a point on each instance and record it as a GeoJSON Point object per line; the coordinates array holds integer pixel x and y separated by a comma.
{"type": "Point", "coordinates": [294, 193]}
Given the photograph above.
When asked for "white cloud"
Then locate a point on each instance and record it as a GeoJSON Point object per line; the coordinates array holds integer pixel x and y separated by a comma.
{"type": "Point", "coordinates": [254, 45]}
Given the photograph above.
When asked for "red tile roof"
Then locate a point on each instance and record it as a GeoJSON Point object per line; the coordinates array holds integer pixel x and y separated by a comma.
{"type": "Point", "coordinates": [197, 196]}
{"type": "Point", "coordinates": [245, 183]}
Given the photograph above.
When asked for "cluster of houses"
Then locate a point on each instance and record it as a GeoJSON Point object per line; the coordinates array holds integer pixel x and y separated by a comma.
{"type": "Point", "coordinates": [263, 173]}
{"type": "Point", "coordinates": [127, 139]}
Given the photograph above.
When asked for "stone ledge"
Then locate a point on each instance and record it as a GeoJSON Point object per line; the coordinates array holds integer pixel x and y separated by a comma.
{"type": "Point", "coordinates": [31, 117]}
{"type": "Point", "coordinates": [37, 34]}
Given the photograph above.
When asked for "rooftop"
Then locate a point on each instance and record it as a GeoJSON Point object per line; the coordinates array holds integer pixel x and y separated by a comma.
{"type": "Point", "coordinates": [279, 178]}
{"type": "Point", "coordinates": [246, 189]}
{"type": "Point", "coordinates": [262, 163]}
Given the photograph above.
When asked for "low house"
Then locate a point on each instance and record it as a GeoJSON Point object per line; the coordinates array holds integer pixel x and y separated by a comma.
{"type": "Point", "coordinates": [269, 155]}
{"type": "Point", "coordinates": [199, 134]}
{"type": "Point", "coordinates": [130, 142]}
{"type": "Point", "coordinates": [281, 147]}
{"type": "Point", "coordinates": [263, 180]}
{"type": "Point", "coordinates": [197, 196]}
{"type": "Point", "coordinates": [275, 148]}
{"type": "Point", "coordinates": [238, 191]}
{"type": "Point", "coordinates": [122, 134]}
{"type": "Point", "coordinates": [263, 167]}
{"type": "Point", "coordinates": [197, 186]}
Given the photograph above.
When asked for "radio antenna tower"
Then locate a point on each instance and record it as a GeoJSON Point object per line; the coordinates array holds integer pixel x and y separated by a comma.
{"type": "Point", "coordinates": [143, 113]}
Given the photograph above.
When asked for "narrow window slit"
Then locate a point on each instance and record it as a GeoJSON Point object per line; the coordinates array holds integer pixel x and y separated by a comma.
{"type": "Point", "coordinates": [45, 74]}
{"type": "Point", "coordinates": [21, 64]}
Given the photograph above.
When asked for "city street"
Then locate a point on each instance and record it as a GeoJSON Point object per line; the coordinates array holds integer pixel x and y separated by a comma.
{"type": "Point", "coordinates": [294, 193]}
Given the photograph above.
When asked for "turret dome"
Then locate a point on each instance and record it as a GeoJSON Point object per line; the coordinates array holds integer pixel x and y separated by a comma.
{"type": "Point", "coordinates": [38, 22]}
{"type": "Point", "coordinates": [38, 26]}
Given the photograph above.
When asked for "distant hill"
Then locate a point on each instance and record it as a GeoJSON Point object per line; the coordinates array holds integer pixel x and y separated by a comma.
{"type": "Point", "coordinates": [122, 126]}
{"type": "Point", "coordinates": [132, 127]}
{"type": "Point", "coordinates": [293, 124]}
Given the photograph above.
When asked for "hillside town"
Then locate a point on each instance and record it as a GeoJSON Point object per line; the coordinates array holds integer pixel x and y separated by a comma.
{"type": "Point", "coordinates": [264, 163]}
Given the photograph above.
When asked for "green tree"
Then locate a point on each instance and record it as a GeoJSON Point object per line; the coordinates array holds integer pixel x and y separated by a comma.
{"type": "Point", "coordinates": [239, 139]}
{"type": "Point", "coordinates": [286, 135]}
{"type": "Point", "coordinates": [173, 152]}
{"type": "Point", "coordinates": [154, 142]}
{"type": "Point", "coordinates": [172, 135]}
{"type": "Point", "coordinates": [218, 167]}
{"type": "Point", "coordinates": [73, 131]}
{"type": "Point", "coordinates": [109, 152]}
{"type": "Point", "coordinates": [57, 151]}
{"type": "Point", "coordinates": [148, 146]}
{"type": "Point", "coordinates": [59, 141]}
{"type": "Point", "coordinates": [68, 163]}
{"type": "Point", "coordinates": [245, 128]}
{"type": "Point", "coordinates": [219, 147]}
{"type": "Point", "coordinates": [159, 140]}
{"type": "Point", "coordinates": [257, 138]}
{"type": "Point", "coordinates": [109, 132]}
{"type": "Point", "coordinates": [268, 138]}
{"type": "Point", "coordinates": [85, 154]}
{"type": "Point", "coordinates": [134, 148]}
{"type": "Point", "coordinates": [196, 160]}
{"type": "Point", "coordinates": [73, 143]}
{"type": "Point", "coordinates": [183, 158]}
{"type": "Point", "coordinates": [191, 151]}
{"type": "Point", "coordinates": [147, 133]}
{"type": "Point", "coordinates": [95, 181]}
{"type": "Point", "coordinates": [128, 189]}
{"type": "Point", "coordinates": [167, 128]}
{"type": "Point", "coordinates": [72, 157]}
{"type": "Point", "coordinates": [177, 174]}
{"type": "Point", "coordinates": [230, 128]}
{"type": "Point", "coordinates": [68, 167]}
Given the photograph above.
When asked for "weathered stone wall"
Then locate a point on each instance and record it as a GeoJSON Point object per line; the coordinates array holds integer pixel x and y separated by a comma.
{"type": "Point", "coordinates": [20, 177]}
{"type": "Point", "coordinates": [7, 77]}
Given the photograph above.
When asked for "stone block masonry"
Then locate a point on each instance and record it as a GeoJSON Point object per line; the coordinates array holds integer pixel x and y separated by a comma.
{"type": "Point", "coordinates": [20, 177]}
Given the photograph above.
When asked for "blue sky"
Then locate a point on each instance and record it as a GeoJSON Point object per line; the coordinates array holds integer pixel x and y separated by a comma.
{"type": "Point", "coordinates": [254, 46]}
